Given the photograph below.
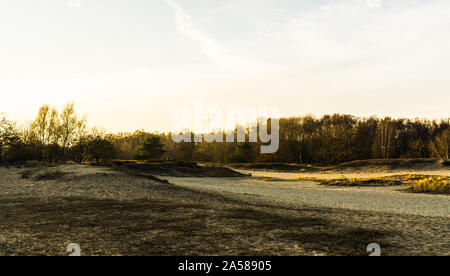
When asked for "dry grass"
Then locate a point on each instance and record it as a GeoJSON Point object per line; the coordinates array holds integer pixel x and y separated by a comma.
{"type": "Point", "coordinates": [178, 169]}
{"type": "Point", "coordinates": [418, 183]}
{"type": "Point", "coordinates": [281, 167]}
{"type": "Point", "coordinates": [385, 165]}
{"type": "Point", "coordinates": [50, 174]}
{"type": "Point", "coordinates": [169, 220]}
{"type": "Point", "coordinates": [367, 182]}
{"type": "Point", "coordinates": [43, 173]}
{"type": "Point", "coordinates": [170, 227]}
{"type": "Point", "coordinates": [431, 185]}
{"type": "Point", "coordinates": [371, 165]}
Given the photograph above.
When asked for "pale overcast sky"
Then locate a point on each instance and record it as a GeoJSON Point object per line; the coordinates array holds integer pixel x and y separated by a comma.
{"type": "Point", "coordinates": [128, 64]}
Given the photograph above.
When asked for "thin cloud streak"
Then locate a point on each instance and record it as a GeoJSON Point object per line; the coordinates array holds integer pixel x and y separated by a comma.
{"type": "Point", "coordinates": [185, 25]}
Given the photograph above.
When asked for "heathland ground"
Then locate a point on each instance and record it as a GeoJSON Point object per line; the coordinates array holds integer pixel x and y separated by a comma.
{"type": "Point", "coordinates": [121, 210]}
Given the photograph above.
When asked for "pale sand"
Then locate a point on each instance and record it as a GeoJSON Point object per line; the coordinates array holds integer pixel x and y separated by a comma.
{"type": "Point", "coordinates": [295, 175]}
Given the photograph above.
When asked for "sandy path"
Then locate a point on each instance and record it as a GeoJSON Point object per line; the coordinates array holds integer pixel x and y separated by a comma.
{"type": "Point", "coordinates": [294, 175]}
{"type": "Point", "coordinates": [381, 199]}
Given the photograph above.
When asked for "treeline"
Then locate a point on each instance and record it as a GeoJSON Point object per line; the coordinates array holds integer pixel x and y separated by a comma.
{"type": "Point", "coordinates": [341, 138]}
{"type": "Point", "coordinates": [53, 137]}
{"type": "Point", "coordinates": [332, 139]}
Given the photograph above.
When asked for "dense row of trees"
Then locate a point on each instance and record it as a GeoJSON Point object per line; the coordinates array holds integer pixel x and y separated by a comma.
{"type": "Point", "coordinates": [340, 138]}
{"type": "Point", "coordinates": [328, 140]}
{"type": "Point", "coordinates": [62, 136]}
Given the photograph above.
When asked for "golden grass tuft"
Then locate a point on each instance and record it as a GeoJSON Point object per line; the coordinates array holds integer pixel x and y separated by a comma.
{"type": "Point", "coordinates": [431, 185]}
{"type": "Point", "coordinates": [417, 183]}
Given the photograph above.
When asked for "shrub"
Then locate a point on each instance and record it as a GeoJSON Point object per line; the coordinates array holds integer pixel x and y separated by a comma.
{"type": "Point", "coordinates": [35, 164]}
{"type": "Point", "coordinates": [27, 173]}
{"type": "Point", "coordinates": [49, 174]}
{"type": "Point", "coordinates": [433, 185]}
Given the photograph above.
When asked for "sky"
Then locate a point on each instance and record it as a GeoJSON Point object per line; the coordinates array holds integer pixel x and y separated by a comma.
{"type": "Point", "coordinates": [129, 64]}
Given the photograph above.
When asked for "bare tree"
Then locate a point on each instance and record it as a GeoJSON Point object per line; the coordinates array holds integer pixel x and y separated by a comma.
{"type": "Point", "coordinates": [440, 146]}
{"type": "Point", "coordinates": [81, 139]}
{"type": "Point", "coordinates": [384, 139]}
{"type": "Point", "coordinates": [68, 125]}
{"type": "Point", "coordinates": [100, 146]}
{"type": "Point", "coordinates": [46, 127]}
{"type": "Point", "coordinates": [8, 137]}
